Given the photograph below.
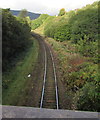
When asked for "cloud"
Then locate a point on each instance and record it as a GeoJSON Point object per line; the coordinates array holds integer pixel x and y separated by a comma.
{"type": "Point", "coordinates": [51, 7]}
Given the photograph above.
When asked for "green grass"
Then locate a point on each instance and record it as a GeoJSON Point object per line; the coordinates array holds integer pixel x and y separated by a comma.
{"type": "Point", "coordinates": [18, 76]}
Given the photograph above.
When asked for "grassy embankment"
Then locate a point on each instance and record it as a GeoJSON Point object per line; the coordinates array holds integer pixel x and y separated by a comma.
{"type": "Point", "coordinates": [77, 73]}
{"type": "Point", "coordinates": [18, 76]}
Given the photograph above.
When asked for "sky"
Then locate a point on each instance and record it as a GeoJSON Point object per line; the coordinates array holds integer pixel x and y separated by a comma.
{"type": "Point", "coordinates": [50, 7]}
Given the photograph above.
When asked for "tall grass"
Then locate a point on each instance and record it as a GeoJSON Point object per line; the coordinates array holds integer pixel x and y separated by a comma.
{"type": "Point", "coordinates": [17, 78]}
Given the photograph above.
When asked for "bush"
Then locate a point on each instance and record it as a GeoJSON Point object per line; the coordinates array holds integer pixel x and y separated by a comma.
{"type": "Point", "coordinates": [88, 48]}
{"type": "Point", "coordinates": [62, 12]}
{"type": "Point", "coordinates": [89, 97]}
{"type": "Point", "coordinates": [80, 27]}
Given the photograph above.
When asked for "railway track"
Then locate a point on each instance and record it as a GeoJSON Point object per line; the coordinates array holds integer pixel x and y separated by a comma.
{"type": "Point", "coordinates": [47, 92]}
{"type": "Point", "coordinates": [49, 97]}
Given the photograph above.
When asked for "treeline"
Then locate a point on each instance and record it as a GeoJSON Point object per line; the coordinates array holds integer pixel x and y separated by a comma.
{"type": "Point", "coordinates": [16, 38]}
{"type": "Point", "coordinates": [78, 26]}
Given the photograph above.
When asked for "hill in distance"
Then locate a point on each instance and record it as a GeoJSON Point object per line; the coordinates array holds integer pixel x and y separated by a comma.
{"type": "Point", "coordinates": [30, 14]}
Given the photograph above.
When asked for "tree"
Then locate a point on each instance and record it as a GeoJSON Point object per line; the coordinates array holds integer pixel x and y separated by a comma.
{"type": "Point", "coordinates": [16, 35]}
{"type": "Point", "coordinates": [23, 13]}
{"type": "Point", "coordinates": [62, 12]}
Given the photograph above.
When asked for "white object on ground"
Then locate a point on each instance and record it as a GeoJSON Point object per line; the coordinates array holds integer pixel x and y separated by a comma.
{"type": "Point", "coordinates": [29, 75]}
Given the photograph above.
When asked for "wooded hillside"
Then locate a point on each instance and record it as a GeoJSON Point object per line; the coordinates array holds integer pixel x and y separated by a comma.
{"type": "Point", "coordinates": [75, 41]}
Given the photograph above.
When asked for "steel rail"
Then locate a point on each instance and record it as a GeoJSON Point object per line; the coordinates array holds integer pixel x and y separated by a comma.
{"type": "Point", "coordinates": [44, 82]}
{"type": "Point", "coordinates": [45, 72]}
{"type": "Point", "coordinates": [57, 102]}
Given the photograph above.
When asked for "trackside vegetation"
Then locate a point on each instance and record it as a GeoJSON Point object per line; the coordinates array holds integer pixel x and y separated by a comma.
{"type": "Point", "coordinates": [15, 82]}
{"type": "Point", "coordinates": [74, 38]}
{"type": "Point", "coordinates": [79, 75]}
{"type": "Point", "coordinates": [20, 52]}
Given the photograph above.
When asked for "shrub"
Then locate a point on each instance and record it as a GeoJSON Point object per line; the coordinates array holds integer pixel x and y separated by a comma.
{"type": "Point", "coordinates": [89, 96]}
{"type": "Point", "coordinates": [62, 12]}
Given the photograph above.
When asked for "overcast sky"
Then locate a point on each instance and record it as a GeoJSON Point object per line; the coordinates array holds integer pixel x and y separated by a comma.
{"type": "Point", "coordinates": [50, 7]}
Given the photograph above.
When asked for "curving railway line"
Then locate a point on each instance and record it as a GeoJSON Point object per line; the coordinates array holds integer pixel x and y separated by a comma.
{"type": "Point", "coordinates": [49, 92]}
